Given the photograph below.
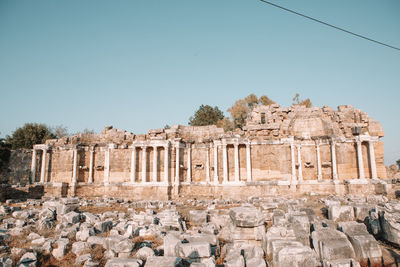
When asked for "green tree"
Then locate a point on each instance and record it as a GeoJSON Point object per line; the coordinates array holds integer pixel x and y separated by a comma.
{"type": "Point", "coordinates": [28, 135]}
{"type": "Point", "coordinates": [239, 112]}
{"type": "Point", "coordinates": [206, 115]}
{"type": "Point", "coordinates": [398, 163]}
{"type": "Point", "coordinates": [60, 131]}
{"type": "Point", "coordinates": [251, 100]}
{"type": "Point", "coordinates": [241, 109]}
{"type": "Point", "coordinates": [297, 101]}
{"type": "Point", "coordinates": [265, 100]}
{"type": "Point", "coordinates": [226, 124]}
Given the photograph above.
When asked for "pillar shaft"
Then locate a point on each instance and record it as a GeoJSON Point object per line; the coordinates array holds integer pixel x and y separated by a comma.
{"type": "Point", "coordinates": [33, 166]}
{"type": "Point", "coordinates": [133, 165]}
{"type": "Point", "coordinates": [155, 164]}
{"type": "Point", "coordinates": [237, 170]}
{"type": "Point", "coordinates": [107, 167]}
{"type": "Point", "coordinates": [293, 161]}
{"type": "Point", "coordinates": [248, 162]}
{"type": "Point", "coordinates": [166, 164]}
{"type": "Point", "coordinates": [333, 156]}
{"type": "Point", "coordinates": [43, 167]}
{"type": "Point", "coordinates": [360, 161]}
{"type": "Point", "coordinates": [319, 171]}
{"type": "Point", "coordinates": [189, 163]}
{"type": "Point", "coordinates": [177, 166]}
{"type": "Point", "coordinates": [207, 165]}
{"type": "Point", "coordinates": [300, 163]}
{"type": "Point", "coordinates": [75, 167]}
{"type": "Point", "coordinates": [215, 163]}
{"type": "Point", "coordinates": [90, 179]}
{"type": "Point", "coordinates": [225, 162]}
{"type": "Point", "coordinates": [144, 163]}
{"type": "Point", "coordinates": [372, 162]}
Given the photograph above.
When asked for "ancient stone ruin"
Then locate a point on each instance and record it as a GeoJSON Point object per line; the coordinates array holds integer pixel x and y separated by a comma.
{"type": "Point", "coordinates": [297, 187]}
{"type": "Point", "coordinates": [280, 151]}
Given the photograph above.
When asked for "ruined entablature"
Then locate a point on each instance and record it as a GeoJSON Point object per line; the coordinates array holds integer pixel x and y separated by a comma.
{"type": "Point", "coordinates": [301, 122]}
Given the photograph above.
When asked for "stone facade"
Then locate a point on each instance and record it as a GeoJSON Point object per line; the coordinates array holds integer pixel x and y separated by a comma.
{"type": "Point", "coordinates": [280, 151]}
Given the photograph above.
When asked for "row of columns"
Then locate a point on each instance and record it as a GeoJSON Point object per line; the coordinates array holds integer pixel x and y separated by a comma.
{"type": "Point", "coordinates": [236, 162]}
{"type": "Point", "coordinates": [294, 179]}
{"type": "Point", "coordinates": [360, 161]}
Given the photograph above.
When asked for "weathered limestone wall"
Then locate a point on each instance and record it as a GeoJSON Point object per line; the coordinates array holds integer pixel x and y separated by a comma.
{"type": "Point", "coordinates": [296, 148]}
{"type": "Point", "coordinates": [17, 170]}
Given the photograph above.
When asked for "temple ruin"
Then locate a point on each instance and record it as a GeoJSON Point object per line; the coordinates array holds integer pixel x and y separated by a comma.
{"type": "Point", "coordinates": [286, 151]}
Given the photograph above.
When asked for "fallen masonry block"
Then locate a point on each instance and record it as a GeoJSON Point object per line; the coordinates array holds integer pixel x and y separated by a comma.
{"type": "Point", "coordinates": [331, 244]}
{"type": "Point", "coordinates": [246, 216]}
{"type": "Point", "coordinates": [193, 250]}
{"type": "Point", "coordinates": [165, 261]}
{"type": "Point", "coordinates": [295, 256]}
{"type": "Point", "coordinates": [117, 262]}
{"type": "Point", "coordinates": [341, 213]}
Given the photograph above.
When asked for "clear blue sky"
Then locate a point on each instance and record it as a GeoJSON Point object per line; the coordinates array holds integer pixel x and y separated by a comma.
{"type": "Point", "coordinates": [139, 65]}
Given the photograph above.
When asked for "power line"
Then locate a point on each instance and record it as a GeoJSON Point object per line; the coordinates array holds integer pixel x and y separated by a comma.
{"type": "Point", "coordinates": [330, 25]}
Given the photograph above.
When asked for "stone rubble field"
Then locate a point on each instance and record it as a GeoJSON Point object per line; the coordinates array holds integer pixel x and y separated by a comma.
{"type": "Point", "coordinates": [311, 231]}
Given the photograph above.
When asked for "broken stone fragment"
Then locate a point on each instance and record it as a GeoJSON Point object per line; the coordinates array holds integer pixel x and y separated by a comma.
{"type": "Point", "coordinates": [162, 261]}
{"type": "Point", "coordinates": [123, 263]}
{"type": "Point", "coordinates": [246, 216]}
{"type": "Point", "coordinates": [193, 250]}
{"type": "Point", "coordinates": [78, 248]}
{"type": "Point", "coordinates": [144, 252]}
{"type": "Point", "coordinates": [331, 244]}
{"type": "Point", "coordinates": [341, 213]}
{"type": "Point", "coordinates": [29, 259]}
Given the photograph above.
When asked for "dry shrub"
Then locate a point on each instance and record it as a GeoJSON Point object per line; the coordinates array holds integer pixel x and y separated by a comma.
{"type": "Point", "coordinates": [97, 253]}
{"type": "Point", "coordinates": [99, 210]}
{"type": "Point", "coordinates": [220, 257]}
{"type": "Point", "coordinates": [47, 260]}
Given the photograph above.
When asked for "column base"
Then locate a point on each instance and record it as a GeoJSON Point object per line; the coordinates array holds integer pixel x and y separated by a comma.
{"type": "Point", "coordinates": [357, 181]}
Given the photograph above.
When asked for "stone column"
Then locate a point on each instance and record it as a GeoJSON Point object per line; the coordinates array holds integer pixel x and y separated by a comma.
{"type": "Point", "coordinates": [215, 163]}
{"type": "Point", "coordinates": [75, 166]}
{"type": "Point", "coordinates": [155, 164]}
{"type": "Point", "coordinates": [333, 155]}
{"type": "Point", "coordinates": [207, 165]}
{"type": "Point", "coordinates": [372, 162]}
{"type": "Point", "coordinates": [293, 161]}
{"type": "Point", "coordinates": [319, 171]}
{"type": "Point", "coordinates": [189, 163]}
{"type": "Point", "coordinates": [237, 170]}
{"type": "Point", "coordinates": [144, 163]}
{"type": "Point", "coordinates": [90, 179]}
{"type": "Point", "coordinates": [107, 167]}
{"type": "Point", "coordinates": [43, 167]}
{"type": "Point", "coordinates": [299, 162]}
{"type": "Point", "coordinates": [133, 164]}
{"type": "Point", "coordinates": [177, 166]}
{"type": "Point", "coordinates": [248, 162]}
{"type": "Point", "coordinates": [166, 163]}
{"type": "Point", "coordinates": [360, 160]}
{"type": "Point", "coordinates": [225, 162]}
{"type": "Point", "coordinates": [33, 166]}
